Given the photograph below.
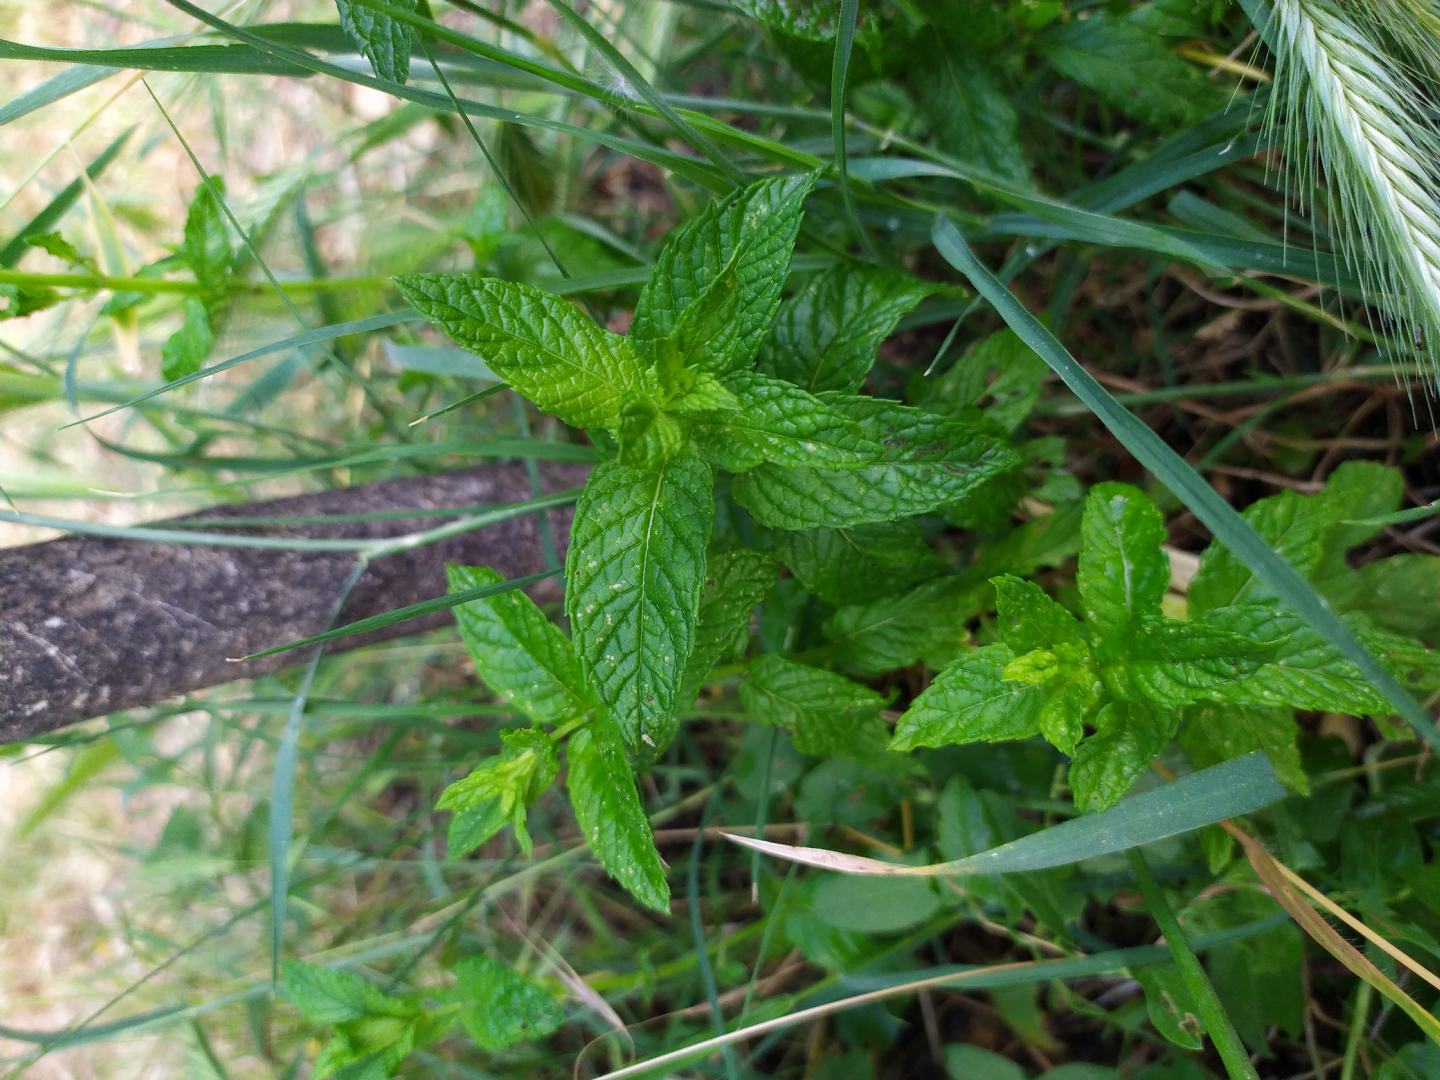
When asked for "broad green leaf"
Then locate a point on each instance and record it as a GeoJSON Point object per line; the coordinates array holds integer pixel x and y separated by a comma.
{"type": "Point", "coordinates": [826, 713]}
{"type": "Point", "coordinates": [648, 436]}
{"type": "Point", "coordinates": [809, 20]}
{"type": "Point", "coordinates": [750, 236]}
{"type": "Point", "coordinates": [778, 422]}
{"type": "Point", "coordinates": [1311, 532]}
{"type": "Point", "coordinates": [973, 120]}
{"type": "Point", "coordinates": [826, 336]}
{"type": "Point", "coordinates": [369, 1049]}
{"type": "Point", "coordinates": [520, 653]}
{"type": "Point", "coordinates": [971, 701]}
{"type": "Point", "coordinates": [330, 996]}
{"type": "Point", "coordinates": [1400, 593]}
{"type": "Point", "coordinates": [17, 301]}
{"type": "Point", "coordinates": [1028, 618]}
{"type": "Point", "coordinates": [1214, 732]}
{"type": "Point", "coordinates": [497, 792]}
{"type": "Point", "coordinates": [1124, 571]}
{"type": "Point", "coordinates": [964, 1061]}
{"type": "Point", "coordinates": [206, 249]}
{"type": "Point", "coordinates": [633, 576]}
{"type": "Point", "coordinates": [1072, 689]}
{"type": "Point", "coordinates": [1128, 737]}
{"type": "Point", "coordinates": [538, 343]}
{"type": "Point", "coordinates": [1069, 701]}
{"type": "Point", "coordinates": [1170, 663]}
{"type": "Point", "coordinates": [499, 1006]}
{"type": "Point", "coordinates": [1288, 523]}
{"type": "Point", "coordinates": [926, 461]}
{"type": "Point", "coordinates": [703, 394]}
{"type": "Point", "coordinates": [1170, 1007]}
{"type": "Point", "coordinates": [1130, 68]}
{"type": "Point", "coordinates": [185, 350]}
{"type": "Point", "coordinates": [735, 581]}
{"type": "Point", "coordinates": [385, 41]}
{"type": "Point", "coordinates": [607, 806]}
{"type": "Point", "coordinates": [861, 563]}
{"type": "Point", "coordinates": [1354, 494]}
{"type": "Point", "coordinates": [1192, 802]}
{"type": "Point", "coordinates": [1172, 470]}
{"type": "Point", "coordinates": [53, 243]}
{"type": "Point", "coordinates": [896, 631]}
{"type": "Point", "coordinates": [874, 905]}
{"type": "Point", "coordinates": [1001, 376]}
{"type": "Point", "coordinates": [1306, 672]}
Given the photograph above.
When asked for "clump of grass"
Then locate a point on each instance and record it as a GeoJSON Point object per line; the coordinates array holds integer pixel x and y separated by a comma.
{"type": "Point", "coordinates": [1353, 86]}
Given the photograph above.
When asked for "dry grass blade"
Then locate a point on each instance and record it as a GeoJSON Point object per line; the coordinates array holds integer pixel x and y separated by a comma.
{"type": "Point", "coordinates": [1278, 882]}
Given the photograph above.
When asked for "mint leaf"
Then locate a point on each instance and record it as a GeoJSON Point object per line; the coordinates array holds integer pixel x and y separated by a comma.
{"type": "Point", "coordinates": [1288, 523]}
{"type": "Point", "coordinates": [826, 713]}
{"type": "Point", "coordinates": [500, 1006]}
{"type": "Point", "coordinates": [1001, 376]}
{"type": "Point", "coordinates": [538, 343]}
{"type": "Point", "coordinates": [607, 806]}
{"type": "Point", "coordinates": [633, 575]}
{"type": "Point", "coordinates": [1131, 69]}
{"type": "Point", "coordinates": [1305, 671]}
{"type": "Point", "coordinates": [1128, 737]}
{"type": "Point", "coordinates": [735, 581]}
{"type": "Point", "coordinates": [648, 435]}
{"type": "Point", "coordinates": [861, 563]}
{"type": "Point", "coordinates": [1353, 493]}
{"type": "Point", "coordinates": [498, 792]}
{"type": "Point", "coordinates": [1123, 572]}
{"type": "Point", "coordinates": [1072, 688]}
{"type": "Point", "coordinates": [185, 350]}
{"type": "Point", "coordinates": [776, 421]}
{"type": "Point", "coordinates": [826, 336]}
{"type": "Point", "coordinates": [1028, 618]}
{"type": "Point", "coordinates": [206, 246]}
{"type": "Point", "coordinates": [384, 41]}
{"type": "Point", "coordinates": [750, 237]}
{"type": "Point", "coordinates": [520, 653]}
{"type": "Point", "coordinates": [896, 631]}
{"type": "Point", "coordinates": [1400, 593]}
{"type": "Point", "coordinates": [809, 20]}
{"type": "Point", "coordinates": [973, 120]}
{"type": "Point", "coordinates": [329, 996]}
{"type": "Point", "coordinates": [1215, 732]}
{"type": "Point", "coordinates": [971, 701]}
{"type": "Point", "coordinates": [1172, 663]}
{"type": "Point", "coordinates": [52, 243]}
{"type": "Point", "coordinates": [926, 461]}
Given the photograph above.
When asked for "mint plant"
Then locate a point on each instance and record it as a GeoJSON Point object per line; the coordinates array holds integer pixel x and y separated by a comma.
{"type": "Point", "coordinates": [678, 399]}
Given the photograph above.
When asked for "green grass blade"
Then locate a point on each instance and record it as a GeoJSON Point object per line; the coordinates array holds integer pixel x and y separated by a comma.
{"type": "Point", "coordinates": [1223, 521]}
{"type": "Point", "coordinates": [55, 209]}
{"type": "Point", "coordinates": [641, 86]}
{"type": "Point", "coordinates": [52, 90]}
{"type": "Point", "coordinates": [1227, 790]}
{"type": "Point", "coordinates": [295, 341]}
{"type": "Point", "coordinates": [839, 73]}
{"type": "Point", "coordinates": [1217, 1022]}
{"type": "Point", "coordinates": [410, 611]}
{"type": "Point", "coordinates": [280, 826]}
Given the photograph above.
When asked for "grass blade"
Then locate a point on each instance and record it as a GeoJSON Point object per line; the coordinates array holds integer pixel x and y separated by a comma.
{"type": "Point", "coordinates": [55, 209]}
{"type": "Point", "coordinates": [1217, 1022]}
{"type": "Point", "coordinates": [1202, 798]}
{"type": "Point", "coordinates": [1223, 520]}
{"type": "Point", "coordinates": [410, 611]}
